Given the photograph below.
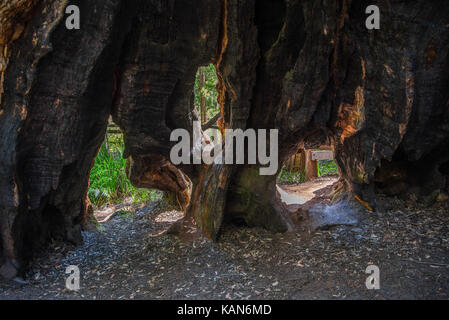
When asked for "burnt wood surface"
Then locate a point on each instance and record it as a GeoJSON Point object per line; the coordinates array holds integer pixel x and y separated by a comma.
{"type": "Point", "coordinates": [308, 68]}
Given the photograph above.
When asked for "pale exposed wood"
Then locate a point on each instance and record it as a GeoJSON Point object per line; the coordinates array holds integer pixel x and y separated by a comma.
{"type": "Point", "coordinates": [202, 80]}
{"type": "Point", "coordinates": [311, 170]}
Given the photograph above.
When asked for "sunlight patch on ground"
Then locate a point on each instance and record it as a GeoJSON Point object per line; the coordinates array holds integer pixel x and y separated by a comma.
{"type": "Point", "coordinates": [169, 216]}
{"type": "Point", "coordinates": [105, 213]}
{"type": "Point", "coordinates": [290, 198]}
{"type": "Point", "coordinates": [303, 192]}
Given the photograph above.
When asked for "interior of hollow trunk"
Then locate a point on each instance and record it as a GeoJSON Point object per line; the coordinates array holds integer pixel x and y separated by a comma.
{"type": "Point", "coordinates": [88, 116]}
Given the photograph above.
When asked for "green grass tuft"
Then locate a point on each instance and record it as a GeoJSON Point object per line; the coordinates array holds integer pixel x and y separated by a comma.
{"type": "Point", "coordinates": [288, 177]}
{"type": "Point", "coordinates": [327, 167]}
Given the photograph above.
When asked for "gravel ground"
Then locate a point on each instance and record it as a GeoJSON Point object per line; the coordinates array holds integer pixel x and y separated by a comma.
{"type": "Point", "coordinates": [128, 260]}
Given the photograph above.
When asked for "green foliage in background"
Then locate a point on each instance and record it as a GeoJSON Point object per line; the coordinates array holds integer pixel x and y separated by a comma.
{"type": "Point", "coordinates": [209, 91]}
{"type": "Point", "coordinates": [327, 167]}
{"type": "Point", "coordinates": [288, 177]}
{"type": "Point", "coordinates": [108, 180]}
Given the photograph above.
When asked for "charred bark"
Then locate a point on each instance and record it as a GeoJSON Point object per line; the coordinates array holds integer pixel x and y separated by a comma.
{"type": "Point", "coordinates": [57, 95]}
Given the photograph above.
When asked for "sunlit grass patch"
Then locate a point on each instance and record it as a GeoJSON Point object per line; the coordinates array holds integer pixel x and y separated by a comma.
{"type": "Point", "coordinates": [108, 181]}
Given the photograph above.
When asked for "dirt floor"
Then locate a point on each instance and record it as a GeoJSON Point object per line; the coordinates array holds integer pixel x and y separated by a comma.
{"type": "Point", "coordinates": [129, 258]}
{"type": "Point", "coordinates": [303, 192]}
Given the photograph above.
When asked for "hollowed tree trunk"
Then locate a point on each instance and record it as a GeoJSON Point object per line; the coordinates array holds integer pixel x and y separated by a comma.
{"type": "Point", "coordinates": [308, 68]}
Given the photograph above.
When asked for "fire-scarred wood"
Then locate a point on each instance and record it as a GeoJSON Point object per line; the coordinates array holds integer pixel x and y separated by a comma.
{"type": "Point", "coordinates": [310, 69]}
{"type": "Point", "coordinates": [57, 95]}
